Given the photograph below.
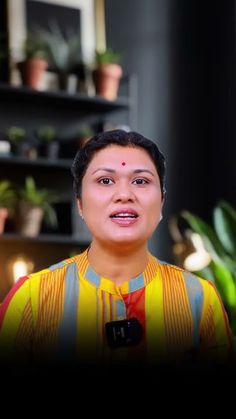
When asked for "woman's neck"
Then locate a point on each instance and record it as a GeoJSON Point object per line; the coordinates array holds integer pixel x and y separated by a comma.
{"type": "Point", "coordinates": [118, 265]}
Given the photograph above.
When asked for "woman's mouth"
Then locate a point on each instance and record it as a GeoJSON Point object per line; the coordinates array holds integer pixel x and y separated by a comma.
{"type": "Point", "coordinates": [124, 219]}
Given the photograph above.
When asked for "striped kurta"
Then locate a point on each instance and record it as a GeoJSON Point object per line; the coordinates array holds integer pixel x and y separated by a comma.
{"type": "Point", "coordinates": [60, 313]}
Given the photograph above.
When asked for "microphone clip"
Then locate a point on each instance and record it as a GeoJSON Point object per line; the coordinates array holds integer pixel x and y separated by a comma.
{"type": "Point", "coordinates": [123, 332]}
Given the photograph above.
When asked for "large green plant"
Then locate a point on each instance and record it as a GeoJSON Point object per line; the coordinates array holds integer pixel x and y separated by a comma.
{"type": "Point", "coordinates": [43, 198]}
{"type": "Point", "coordinates": [220, 242]}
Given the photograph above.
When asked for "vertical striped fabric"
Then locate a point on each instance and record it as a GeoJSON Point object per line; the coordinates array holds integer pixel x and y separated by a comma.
{"type": "Point", "coordinates": [61, 312]}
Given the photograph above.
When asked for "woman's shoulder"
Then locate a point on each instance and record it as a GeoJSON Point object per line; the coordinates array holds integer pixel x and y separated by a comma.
{"type": "Point", "coordinates": [54, 272]}
{"type": "Point", "coordinates": [190, 278]}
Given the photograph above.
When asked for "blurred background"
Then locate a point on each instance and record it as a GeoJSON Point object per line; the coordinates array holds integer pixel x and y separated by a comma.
{"type": "Point", "coordinates": [177, 87]}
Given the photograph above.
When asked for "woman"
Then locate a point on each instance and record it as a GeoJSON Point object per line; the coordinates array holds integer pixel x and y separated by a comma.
{"type": "Point", "coordinates": [116, 302]}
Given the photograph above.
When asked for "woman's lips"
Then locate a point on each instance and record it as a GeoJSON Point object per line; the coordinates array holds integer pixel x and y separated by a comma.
{"type": "Point", "coordinates": [124, 222]}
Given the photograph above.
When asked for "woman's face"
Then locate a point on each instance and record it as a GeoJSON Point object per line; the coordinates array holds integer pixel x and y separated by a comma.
{"type": "Point", "coordinates": [121, 197]}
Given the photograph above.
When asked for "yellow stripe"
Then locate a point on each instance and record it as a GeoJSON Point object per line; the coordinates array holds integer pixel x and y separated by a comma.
{"type": "Point", "coordinates": [34, 290]}
{"type": "Point", "coordinates": [25, 331]}
{"type": "Point", "coordinates": [49, 287]}
{"type": "Point", "coordinates": [178, 317]}
{"type": "Point", "coordinates": [213, 327]}
{"type": "Point", "coordinates": [100, 323]}
{"type": "Point", "coordinates": [155, 326]}
{"type": "Point", "coordinates": [151, 269]}
{"type": "Point", "coordinates": [82, 262]}
{"type": "Point", "coordinates": [87, 321]}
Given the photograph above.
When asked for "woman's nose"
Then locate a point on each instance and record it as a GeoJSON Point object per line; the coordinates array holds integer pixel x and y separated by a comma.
{"type": "Point", "coordinates": [124, 193]}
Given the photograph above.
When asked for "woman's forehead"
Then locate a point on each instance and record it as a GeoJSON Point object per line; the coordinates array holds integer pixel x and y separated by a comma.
{"type": "Point", "coordinates": [121, 156]}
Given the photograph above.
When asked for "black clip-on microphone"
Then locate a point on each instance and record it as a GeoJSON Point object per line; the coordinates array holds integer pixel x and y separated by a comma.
{"type": "Point", "coordinates": [123, 332]}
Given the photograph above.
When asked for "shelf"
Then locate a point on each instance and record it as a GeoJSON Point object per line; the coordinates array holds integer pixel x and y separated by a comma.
{"type": "Point", "coordinates": [94, 104]}
{"type": "Point", "coordinates": [44, 238]}
{"type": "Point", "coordinates": [40, 162]}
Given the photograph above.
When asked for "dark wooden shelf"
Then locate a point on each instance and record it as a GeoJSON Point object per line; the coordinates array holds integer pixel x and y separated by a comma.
{"type": "Point", "coordinates": [44, 238]}
{"type": "Point", "coordinates": [59, 98]}
{"type": "Point", "coordinates": [40, 162]}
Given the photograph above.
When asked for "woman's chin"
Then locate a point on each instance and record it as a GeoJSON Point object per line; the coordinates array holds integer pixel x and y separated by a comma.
{"type": "Point", "coordinates": [126, 240]}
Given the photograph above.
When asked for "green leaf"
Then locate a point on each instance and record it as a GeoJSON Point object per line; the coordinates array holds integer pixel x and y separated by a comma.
{"type": "Point", "coordinates": [225, 284]}
{"type": "Point", "coordinates": [50, 215]}
{"type": "Point", "coordinates": [7, 196]}
{"type": "Point", "coordinates": [224, 217]}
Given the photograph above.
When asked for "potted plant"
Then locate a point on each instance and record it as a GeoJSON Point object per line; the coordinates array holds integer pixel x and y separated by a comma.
{"type": "Point", "coordinates": [49, 147]}
{"type": "Point", "coordinates": [219, 240]}
{"type": "Point", "coordinates": [35, 205]}
{"type": "Point", "coordinates": [35, 63]}
{"type": "Point", "coordinates": [107, 73]}
{"type": "Point", "coordinates": [17, 138]}
{"type": "Point", "coordinates": [7, 202]}
{"type": "Point", "coordinates": [63, 51]}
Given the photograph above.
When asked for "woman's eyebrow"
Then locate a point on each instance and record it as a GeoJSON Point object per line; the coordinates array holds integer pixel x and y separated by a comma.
{"type": "Point", "coordinates": [143, 170]}
{"type": "Point", "coordinates": [107, 169]}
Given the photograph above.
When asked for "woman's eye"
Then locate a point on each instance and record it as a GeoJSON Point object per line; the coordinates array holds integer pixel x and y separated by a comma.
{"type": "Point", "coordinates": [141, 181]}
{"type": "Point", "coordinates": [105, 181]}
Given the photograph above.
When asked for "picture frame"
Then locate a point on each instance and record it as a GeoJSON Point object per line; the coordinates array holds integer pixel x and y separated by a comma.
{"type": "Point", "coordinates": [17, 28]}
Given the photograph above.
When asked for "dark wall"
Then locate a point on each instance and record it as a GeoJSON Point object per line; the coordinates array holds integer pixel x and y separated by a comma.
{"type": "Point", "coordinates": [183, 53]}
{"type": "Point", "coordinates": [3, 42]}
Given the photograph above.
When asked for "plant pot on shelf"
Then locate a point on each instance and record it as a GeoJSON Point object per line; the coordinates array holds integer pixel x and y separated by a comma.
{"type": "Point", "coordinates": [50, 150]}
{"type": "Point", "coordinates": [3, 216]}
{"type": "Point", "coordinates": [48, 144]}
{"type": "Point", "coordinates": [29, 220]}
{"type": "Point", "coordinates": [31, 71]}
{"type": "Point", "coordinates": [34, 205]}
{"type": "Point", "coordinates": [107, 80]}
{"type": "Point", "coordinates": [7, 202]}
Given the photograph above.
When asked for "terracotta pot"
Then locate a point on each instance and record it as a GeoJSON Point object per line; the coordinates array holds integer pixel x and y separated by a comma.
{"type": "Point", "coordinates": [107, 80]}
{"type": "Point", "coordinates": [3, 216]}
{"type": "Point", "coordinates": [32, 71]}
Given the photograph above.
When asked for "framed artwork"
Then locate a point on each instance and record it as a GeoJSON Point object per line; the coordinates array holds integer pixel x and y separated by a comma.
{"type": "Point", "coordinates": [82, 15]}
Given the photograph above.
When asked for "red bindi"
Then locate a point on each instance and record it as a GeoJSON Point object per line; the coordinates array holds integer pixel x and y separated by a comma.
{"type": "Point", "coordinates": [123, 163]}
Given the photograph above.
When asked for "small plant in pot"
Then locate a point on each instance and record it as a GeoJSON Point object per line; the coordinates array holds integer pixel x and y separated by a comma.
{"type": "Point", "coordinates": [18, 139]}
{"type": "Point", "coordinates": [107, 73]}
{"type": "Point", "coordinates": [33, 66]}
{"type": "Point", "coordinates": [35, 205]}
{"type": "Point", "coordinates": [7, 202]}
{"type": "Point", "coordinates": [48, 146]}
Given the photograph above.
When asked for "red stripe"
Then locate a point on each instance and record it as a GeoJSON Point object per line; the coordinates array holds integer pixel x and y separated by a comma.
{"type": "Point", "coordinates": [135, 307]}
{"type": "Point", "coordinates": [8, 298]}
